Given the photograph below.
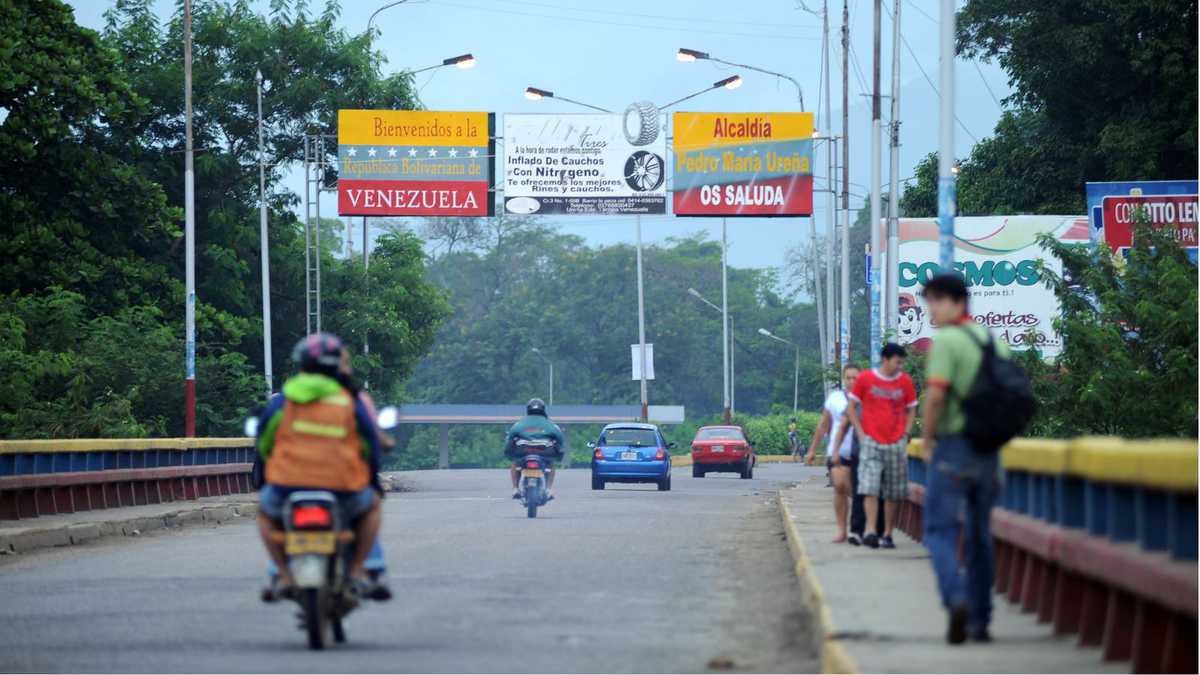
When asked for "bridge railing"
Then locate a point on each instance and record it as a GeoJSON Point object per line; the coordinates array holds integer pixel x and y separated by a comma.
{"type": "Point", "coordinates": [1097, 536]}
{"type": "Point", "coordinates": [49, 477]}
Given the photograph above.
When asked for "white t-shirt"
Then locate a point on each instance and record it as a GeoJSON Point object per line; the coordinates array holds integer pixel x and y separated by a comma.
{"type": "Point", "coordinates": [836, 403]}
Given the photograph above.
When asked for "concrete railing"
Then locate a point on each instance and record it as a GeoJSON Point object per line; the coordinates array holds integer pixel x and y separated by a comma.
{"type": "Point", "coordinates": [39, 478]}
{"type": "Point", "coordinates": [1097, 536]}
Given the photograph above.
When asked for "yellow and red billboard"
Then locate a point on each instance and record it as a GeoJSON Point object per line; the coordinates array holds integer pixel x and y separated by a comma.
{"type": "Point", "coordinates": [415, 163]}
{"type": "Point", "coordinates": [743, 164]}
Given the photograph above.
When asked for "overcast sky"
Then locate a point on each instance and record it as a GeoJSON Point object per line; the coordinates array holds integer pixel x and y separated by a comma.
{"type": "Point", "coordinates": [615, 52]}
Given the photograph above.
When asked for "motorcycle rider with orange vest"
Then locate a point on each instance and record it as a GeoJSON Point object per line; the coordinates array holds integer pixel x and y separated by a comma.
{"type": "Point", "coordinates": [320, 436]}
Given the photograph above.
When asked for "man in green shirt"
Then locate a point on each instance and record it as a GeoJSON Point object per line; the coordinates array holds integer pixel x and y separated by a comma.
{"type": "Point", "coordinates": [959, 474]}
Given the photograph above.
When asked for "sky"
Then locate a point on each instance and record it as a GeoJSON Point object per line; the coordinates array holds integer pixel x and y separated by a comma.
{"type": "Point", "coordinates": [615, 52]}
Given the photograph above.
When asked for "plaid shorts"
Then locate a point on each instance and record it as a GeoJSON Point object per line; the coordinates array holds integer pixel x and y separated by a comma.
{"type": "Point", "coordinates": [883, 469]}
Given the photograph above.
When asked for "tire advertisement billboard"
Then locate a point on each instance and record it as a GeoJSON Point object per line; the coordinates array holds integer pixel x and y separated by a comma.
{"type": "Point", "coordinates": [743, 164]}
{"type": "Point", "coordinates": [585, 164]}
{"type": "Point", "coordinates": [998, 257]}
{"type": "Point", "coordinates": [415, 163]}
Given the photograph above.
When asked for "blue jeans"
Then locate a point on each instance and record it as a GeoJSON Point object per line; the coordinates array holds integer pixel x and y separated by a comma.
{"type": "Point", "coordinates": [961, 477]}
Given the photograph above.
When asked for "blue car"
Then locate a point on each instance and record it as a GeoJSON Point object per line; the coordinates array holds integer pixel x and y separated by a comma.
{"type": "Point", "coordinates": [631, 453]}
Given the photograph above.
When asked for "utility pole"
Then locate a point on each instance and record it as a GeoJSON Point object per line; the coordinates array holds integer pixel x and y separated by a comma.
{"type": "Point", "coordinates": [876, 208]}
{"type": "Point", "coordinates": [947, 190]}
{"type": "Point", "coordinates": [262, 235]}
{"type": "Point", "coordinates": [844, 337]}
{"type": "Point", "coordinates": [726, 348]}
{"type": "Point", "coordinates": [831, 356]}
{"type": "Point", "coordinates": [641, 322]}
{"type": "Point", "coordinates": [189, 230]}
{"type": "Point", "coordinates": [892, 301]}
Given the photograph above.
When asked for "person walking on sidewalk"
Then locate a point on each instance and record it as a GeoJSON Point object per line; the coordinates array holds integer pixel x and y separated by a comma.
{"type": "Point", "coordinates": [961, 474]}
{"type": "Point", "coordinates": [840, 451]}
{"type": "Point", "coordinates": [883, 405]}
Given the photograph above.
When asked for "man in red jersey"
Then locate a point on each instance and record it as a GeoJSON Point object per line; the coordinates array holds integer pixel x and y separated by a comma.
{"type": "Point", "coordinates": [883, 405]}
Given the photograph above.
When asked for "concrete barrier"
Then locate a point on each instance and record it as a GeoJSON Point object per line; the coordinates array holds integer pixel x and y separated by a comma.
{"type": "Point", "coordinates": [50, 477]}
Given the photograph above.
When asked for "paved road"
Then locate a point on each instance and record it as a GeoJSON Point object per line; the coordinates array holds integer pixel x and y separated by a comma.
{"type": "Point", "coordinates": [625, 580]}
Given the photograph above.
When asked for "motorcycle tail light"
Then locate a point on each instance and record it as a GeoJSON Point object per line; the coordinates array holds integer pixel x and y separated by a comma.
{"type": "Point", "coordinates": [311, 516]}
{"type": "Point", "coordinates": [531, 464]}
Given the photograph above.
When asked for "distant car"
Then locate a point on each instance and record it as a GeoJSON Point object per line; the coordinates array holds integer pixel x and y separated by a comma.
{"type": "Point", "coordinates": [631, 453]}
{"type": "Point", "coordinates": [722, 449]}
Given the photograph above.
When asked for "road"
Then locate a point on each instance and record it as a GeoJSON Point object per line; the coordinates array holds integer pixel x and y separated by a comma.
{"type": "Point", "coordinates": [629, 579]}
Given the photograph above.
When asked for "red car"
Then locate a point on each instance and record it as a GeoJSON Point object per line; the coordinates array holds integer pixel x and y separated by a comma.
{"type": "Point", "coordinates": [722, 448]}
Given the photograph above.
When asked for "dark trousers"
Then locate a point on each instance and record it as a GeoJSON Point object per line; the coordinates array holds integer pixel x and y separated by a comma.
{"type": "Point", "coordinates": [858, 515]}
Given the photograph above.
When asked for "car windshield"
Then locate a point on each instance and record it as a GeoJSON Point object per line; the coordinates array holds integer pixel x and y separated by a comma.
{"type": "Point", "coordinates": [639, 437]}
{"type": "Point", "coordinates": [719, 434]}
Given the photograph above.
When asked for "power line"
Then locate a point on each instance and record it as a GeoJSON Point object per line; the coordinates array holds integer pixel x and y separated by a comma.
{"type": "Point", "coordinates": [985, 83]}
{"type": "Point", "coordinates": [934, 86]}
{"type": "Point", "coordinates": [766, 36]}
{"type": "Point", "coordinates": [722, 22]}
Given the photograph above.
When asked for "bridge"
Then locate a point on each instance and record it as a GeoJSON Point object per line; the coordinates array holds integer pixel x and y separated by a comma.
{"type": "Point", "coordinates": [122, 555]}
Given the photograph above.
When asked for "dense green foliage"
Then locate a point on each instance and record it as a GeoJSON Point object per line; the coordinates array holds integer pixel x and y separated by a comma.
{"type": "Point", "coordinates": [91, 197]}
{"type": "Point", "coordinates": [1103, 90]}
{"type": "Point", "coordinates": [1128, 365]}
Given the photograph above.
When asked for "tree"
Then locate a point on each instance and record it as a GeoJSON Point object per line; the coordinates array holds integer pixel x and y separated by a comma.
{"type": "Point", "coordinates": [1128, 365]}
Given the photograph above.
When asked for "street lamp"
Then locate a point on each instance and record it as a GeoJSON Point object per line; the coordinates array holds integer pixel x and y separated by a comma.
{"type": "Point", "coordinates": [796, 377]}
{"type": "Point", "coordinates": [726, 352]}
{"type": "Point", "coordinates": [262, 233]}
{"type": "Point", "coordinates": [690, 55]}
{"type": "Point", "coordinates": [536, 94]}
{"type": "Point", "coordinates": [550, 363]}
{"type": "Point", "coordinates": [463, 61]}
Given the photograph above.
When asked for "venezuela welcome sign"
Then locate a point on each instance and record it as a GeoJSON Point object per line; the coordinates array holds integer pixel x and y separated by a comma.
{"type": "Point", "coordinates": [743, 164]}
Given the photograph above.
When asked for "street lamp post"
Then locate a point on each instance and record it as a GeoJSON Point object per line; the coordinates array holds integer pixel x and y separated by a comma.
{"type": "Point", "coordinates": [796, 376]}
{"type": "Point", "coordinates": [189, 232]}
{"type": "Point", "coordinates": [537, 94]}
{"type": "Point", "coordinates": [726, 356]}
{"type": "Point", "coordinates": [550, 363]}
{"type": "Point", "coordinates": [262, 233]}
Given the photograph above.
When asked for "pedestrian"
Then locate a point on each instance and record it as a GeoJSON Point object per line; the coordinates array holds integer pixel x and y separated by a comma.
{"type": "Point", "coordinates": [882, 407]}
{"type": "Point", "coordinates": [858, 516]}
{"type": "Point", "coordinates": [841, 455]}
{"type": "Point", "coordinates": [962, 478]}
{"type": "Point", "coordinates": [794, 441]}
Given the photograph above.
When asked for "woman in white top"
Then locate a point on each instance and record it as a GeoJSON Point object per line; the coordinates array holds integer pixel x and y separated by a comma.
{"type": "Point", "coordinates": [839, 457]}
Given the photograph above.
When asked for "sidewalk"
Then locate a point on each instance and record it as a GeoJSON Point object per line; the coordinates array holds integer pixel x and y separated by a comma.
{"type": "Point", "coordinates": [23, 536]}
{"type": "Point", "coordinates": [886, 615]}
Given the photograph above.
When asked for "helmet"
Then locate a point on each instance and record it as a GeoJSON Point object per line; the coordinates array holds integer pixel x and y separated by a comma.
{"type": "Point", "coordinates": [318, 353]}
{"type": "Point", "coordinates": [536, 406]}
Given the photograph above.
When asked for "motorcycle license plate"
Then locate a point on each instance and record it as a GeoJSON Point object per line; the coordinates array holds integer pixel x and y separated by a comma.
{"type": "Point", "coordinates": [629, 455]}
{"type": "Point", "coordinates": [531, 473]}
{"type": "Point", "coordinates": [718, 448]}
{"type": "Point", "coordinates": [310, 542]}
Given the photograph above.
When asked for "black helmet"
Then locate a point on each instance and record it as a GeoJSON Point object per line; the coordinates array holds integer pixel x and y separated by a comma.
{"type": "Point", "coordinates": [318, 353]}
{"type": "Point", "coordinates": [536, 406]}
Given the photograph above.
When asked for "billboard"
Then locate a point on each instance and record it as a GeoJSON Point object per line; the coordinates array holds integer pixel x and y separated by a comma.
{"type": "Point", "coordinates": [1096, 192]}
{"type": "Point", "coordinates": [743, 164]}
{"type": "Point", "coordinates": [584, 164]}
{"type": "Point", "coordinates": [998, 257]}
{"type": "Point", "coordinates": [415, 163]}
{"type": "Point", "coordinates": [1175, 212]}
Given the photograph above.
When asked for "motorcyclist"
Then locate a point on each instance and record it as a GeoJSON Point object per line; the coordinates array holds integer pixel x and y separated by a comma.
{"type": "Point", "coordinates": [535, 425]}
{"type": "Point", "coordinates": [320, 435]}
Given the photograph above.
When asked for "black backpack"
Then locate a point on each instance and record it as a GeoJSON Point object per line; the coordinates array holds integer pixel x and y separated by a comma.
{"type": "Point", "coordinates": [1000, 404]}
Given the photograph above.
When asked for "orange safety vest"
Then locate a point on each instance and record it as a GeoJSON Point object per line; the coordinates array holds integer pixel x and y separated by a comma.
{"type": "Point", "coordinates": [317, 445]}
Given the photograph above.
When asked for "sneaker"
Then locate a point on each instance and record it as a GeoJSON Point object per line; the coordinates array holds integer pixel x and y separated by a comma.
{"type": "Point", "coordinates": [517, 493]}
{"type": "Point", "coordinates": [886, 542]}
{"type": "Point", "coordinates": [871, 541]}
{"type": "Point", "coordinates": [956, 632]}
{"type": "Point", "coordinates": [981, 635]}
{"type": "Point", "coordinates": [379, 590]}
{"type": "Point", "coordinates": [854, 540]}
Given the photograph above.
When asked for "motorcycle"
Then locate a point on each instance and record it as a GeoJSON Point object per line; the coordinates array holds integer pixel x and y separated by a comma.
{"type": "Point", "coordinates": [319, 545]}
{"type": "Point", "coordinates": [533, 468]}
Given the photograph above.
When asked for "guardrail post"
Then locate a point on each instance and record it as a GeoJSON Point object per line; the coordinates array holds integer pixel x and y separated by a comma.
{"type": "Point", "coordinates": [1181, 526]}
{"type": "Point", "coordinates": [1093, 613]}
{"type": "Point", "coordinates": [1118, 626]}
{"type": "Point", "coordinates": [1151, 516]}
{"type": "Point", "coordinates": [1071, 507]}
{"type": "Point", "coordinates": [443, 446]}
{"type": "Point", "coordinates": [1096, 508]}
{"type": "Point", "coordinates": [1122, 513]}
